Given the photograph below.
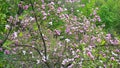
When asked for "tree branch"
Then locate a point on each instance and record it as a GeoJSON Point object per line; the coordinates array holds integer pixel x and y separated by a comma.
{"type": "Point", "coordinates": [29, 47]}
{"type": "Point", "coordinates": [39, 28]}
{"type": "Point", "coordinates": [6, 36]}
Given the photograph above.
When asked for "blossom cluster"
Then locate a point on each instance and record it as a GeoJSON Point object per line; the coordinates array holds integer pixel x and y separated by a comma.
{"type": "Point", "coordinates": [78, 40]}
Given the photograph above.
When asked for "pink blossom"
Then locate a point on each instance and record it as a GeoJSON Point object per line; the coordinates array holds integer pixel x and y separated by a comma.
{"type": "Point", "coordinates": [15, 34]}
{"type": "Point", "coordinates": [1, 49]}
{"type": "Point", "coordinates": [7, 52]}
{"type": "Point", "coordinates": [67, 30]}
{"type": "Point", "coordinates": [104, 55]}
{"type": "Point", "coordinates": [43, 6]}
{"type": "Point", "coordinates": [99, 19]}
{"type": "Point", "coordinates": [16, 42]}
{"type": "Point", "coordinates": [66, 16]}
{"type": "Point", "coordinates": [10, 19]}
{"type": "Point", "coordinates": [7, 26]}
{"type": "Point", "coordinates": [94, 12]}
{"type": "Point", "coordinates": [44, 13]}
{"type": "Point", "coordinates": [114, 42]}
{"type": "Point", "coordinates": [44, 17]}
{"type": "Point", "coordinates": [99, 40]}
{"type": "Point", "coordinates": [25, 7]}
{"type": "Point", "coordinates": [108, 37]}
{"type": "Point", "coordinates": [82, 5]}
{"type": "Point", "coordinates": [112, 58]}
{"type": "Point", "coordinates": [75, 18]}
{"type": "Point", "coordinates": [20, 5]}
{"type": "Point", "coordinates": [117, 50]}
{"type": "Point", "coordinates": [51, 6]}
{"type": "Point", "coordinates": [71, 66]}
{"type": "Point", "coordinates": [105, 66]}
{"type": "Point", "coordinates": [59, 2]}
{"type": "Point", "coordinates": [81, 31]}
{"type": "Point", "coordinates": [52, 3]}
{"type": "Point", "coordinates": [59, 10]}
{"type": "Point", "coordinates": [78, 50]}
{"type": "Point", "coordinates": [90, 55]}
{"type": "Point", "coordinates": [42, 1]}
{"type": "Point", "coordinates": [93, 38]}
{"type": "Point", "coordinates": [57, 32]}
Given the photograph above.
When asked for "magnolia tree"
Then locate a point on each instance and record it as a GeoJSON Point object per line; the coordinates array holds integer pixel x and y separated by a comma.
{"type": "Point", "coordinates": [55, 34]}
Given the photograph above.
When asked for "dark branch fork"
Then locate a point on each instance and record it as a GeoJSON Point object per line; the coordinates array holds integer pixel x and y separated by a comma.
{"type": "Point", "coordinates": [41, 35]}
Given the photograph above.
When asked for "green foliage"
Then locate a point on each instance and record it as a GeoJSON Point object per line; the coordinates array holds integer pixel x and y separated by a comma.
{"type": "Point", "coordinates": [89, 6]}
{"type": "Point", "coordinates": [109, 12]}
{"type": "Point", "coordinates": [3, 12]}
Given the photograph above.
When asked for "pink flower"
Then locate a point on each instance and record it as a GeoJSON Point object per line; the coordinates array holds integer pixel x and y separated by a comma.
{"type": "Point", "coordinates": [52, 3]}
{"type": "Point", "coordinates": [10, 19]}
{"type": "Point", "coordinates": [81, 31]}
{"type": "Point", "coordinates": [6, 52]}
{"type": "Point", "coordinates": [114, 42]}
{"type": "Point", "coordinates": [1, 49]}
{"type": "Point", "coordinates": [108, 35]}
{"type": "Point", "coordinates": [44, 17]}
{"type": "Point", "coordinates": [93, 38]}
{"type": "Point", "coordinates": [74, 18]}
{"type": "Point", "coordinates": [104, 55]}
{"type": "Point", "coordinates": [7, 27]}
{"type": "Point", "coordinates": [82, 5]}
{"type": "Point", "coordinates": [112, 58]}
{"type": "Point", "coordinates": [20, 5]}
{"type": "Point", "coordinates": [51, 6]}
{"type": "Point", "coordinates": [44, 13]}
{"type": "Point", "coordinates": [78, 50]}
{"type": "Point", "coordinates": [16, 42]}
{"type": "Point", "coordinates": [90, 55]}
{"type": "Point", "coordinates": [105, 66]}
{"type": "Point", "coordinates": [59, 10]}
{"type": "Point", "coordinates": [99, 19]}
{"type": "Point", "coordinates": [14, 35]}
{"type": "Point", "coordinates": [43, 6]}
{"type": "Point", "coordinates": [42, 1]}
{"type": "Point", "coordinates": [57, 32]}
{"type": "Point", "coordinates": [67, 30]}
{"type": "Point", "coordinates": [66, 16]}
{"type": "Point", "coordinates": [99, 40]}
{"type": "Point", "coordinates": [94, 12]}
{"type": "Point", "coordinates": [117, 50]}
{"type": "Point", "coordinates": [25, 7]}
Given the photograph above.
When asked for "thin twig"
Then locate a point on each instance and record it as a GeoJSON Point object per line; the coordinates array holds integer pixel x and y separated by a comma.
{"type": "Point", "coordinates": [39, 28]}
{"type": "Point", "coordinates": [29, 47]}
{"type": "Point", "coordinates": [6, 36]}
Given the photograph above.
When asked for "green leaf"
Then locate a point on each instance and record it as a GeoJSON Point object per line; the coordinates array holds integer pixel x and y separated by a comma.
{"type": "Point", "coordinates": [35, 28]}
{"type": "Point", "coordinates": [103, 42]}
{"type": "Point", "coordinates": [6, 44]}
{"type": "Point", "coordinates": [20, 34]}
